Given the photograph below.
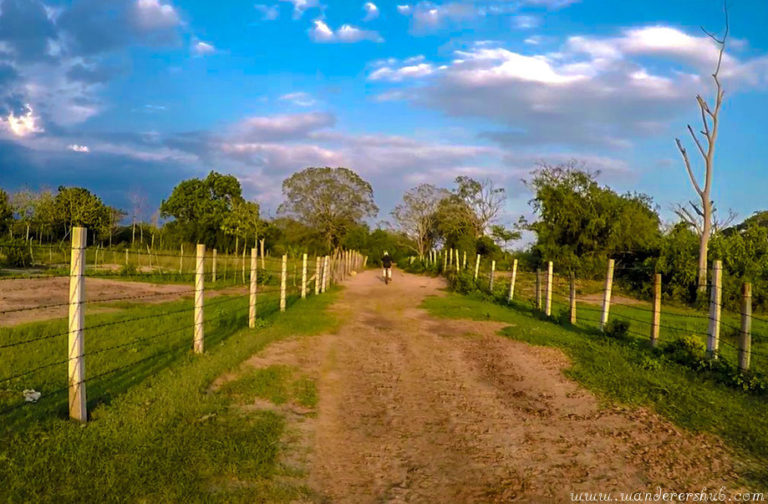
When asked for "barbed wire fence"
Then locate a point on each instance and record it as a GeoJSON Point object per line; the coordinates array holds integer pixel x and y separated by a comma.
{"type": "Point", "coordinates": [43, 364]}
{"type": "Point", "coordinates": [741, 339]}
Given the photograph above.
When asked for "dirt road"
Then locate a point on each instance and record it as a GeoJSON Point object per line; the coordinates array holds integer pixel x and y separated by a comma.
{"type": "Point", "coordinates": [417, 409]}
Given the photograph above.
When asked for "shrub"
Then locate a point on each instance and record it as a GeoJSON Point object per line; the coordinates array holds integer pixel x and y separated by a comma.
{"type": "Point", "coordinates": [17, 255]}
{"type": "Point", "coordinates": [685, 350]}
{"type": "Point", "coordinates": [617, 329]}
{"type": "Point", "coordinates": [128, 270]}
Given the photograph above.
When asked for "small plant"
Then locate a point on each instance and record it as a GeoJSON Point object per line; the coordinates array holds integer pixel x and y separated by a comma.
{"type": "Point", "coordinates": [685, 350]}
{"type": "Point", "coordinates": [17, 255]}
{"type": "Point", "coordinates": [617, 329]}
{"type": "Point", "coordinates": [128, 270]}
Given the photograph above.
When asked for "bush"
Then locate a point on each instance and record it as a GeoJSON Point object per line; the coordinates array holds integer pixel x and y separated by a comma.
{"type": "Point", "coordinates": [617, 329]}
{"type": "Point", "coordinates": [128, 270]}
{"type": "Point", "coordinates": [17, 255]}
{"type": "Point", "coordinates": [685, 350]}
{"type": "Point", "coordinates": [463, 282]}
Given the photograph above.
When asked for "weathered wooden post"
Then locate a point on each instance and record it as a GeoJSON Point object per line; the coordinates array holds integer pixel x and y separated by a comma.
{"type": "Point", "coordinates": [548, 306]}
{"type": "Point", "coordinates": [538, 289]}
{"type": "Point", "coordinates": [261, 243]}
{"type": "Point", "coordinates": [76, 361]}
{"type": "Point", "coordinates": [254, 283]}
{"type": "Point", "coordinates": [317, 275]}
{"type": "Point", "coordinates": [450, 257]}
{"type": "Point", "coordinates": [713, 342]}
{"type": "Point", "coordinates": [607, 295]}
{"type": "Point", "coordinates": [326, 265]}
{"type": "Point", "coordinates": [445, 261]}
{"type": "Point", "coordinates": [745, 341]}
{"type": "Point", "coordinates": [181, 259]}
{"type": "Point", "coordinates": [199, 295]}
{"type": "Point", "coordinates": [493, 272]}
{"type": "Point", "coordinates": [573, 299]}
{"type": "Point", "coordinates": [126, 257]}
{"type": "Point", "coordinates": [243, 261]}
{"type": "Point", "coordinates": [283, 280]}
{"type": "Point", "coordinates": [512, 280]}
{"type": "Point", "coordinates": [464, 263]}
{"type": "Point", "coordinates": [304, 276]}
{"type": "Point", "coordinates": [213, 267]}
{"type": "Point", "coordinates": [477, 266]}
{"type": "Point", "coordinates": [656, 320]}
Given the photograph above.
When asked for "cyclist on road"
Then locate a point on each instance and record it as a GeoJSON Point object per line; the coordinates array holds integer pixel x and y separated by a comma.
{"type": "Point", "coordinates": [386, 263]}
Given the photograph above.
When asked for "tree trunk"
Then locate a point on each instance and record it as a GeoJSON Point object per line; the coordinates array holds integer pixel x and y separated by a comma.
{"type": "Point", "coordinates": [704, 248]}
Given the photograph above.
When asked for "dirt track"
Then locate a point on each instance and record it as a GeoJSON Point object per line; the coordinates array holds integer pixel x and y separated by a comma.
{"type": "Point", "coordinates": [416, 409]}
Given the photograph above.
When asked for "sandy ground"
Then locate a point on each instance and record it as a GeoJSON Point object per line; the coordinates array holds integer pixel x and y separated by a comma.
{"type": "Point", "coordinates": [43, 292]}
{"type": "Point", "coordinates": [417, 409]}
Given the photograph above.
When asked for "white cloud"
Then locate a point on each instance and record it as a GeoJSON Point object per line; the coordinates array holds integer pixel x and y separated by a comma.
{"type": "Point", "coordinates": [299, 6]}
{"type": "Point", "coordinates": [525, 22]}
{"type": "Point", "coordinates": [268, 12]}
{"type": "Point", "coordinates": [593, 91]}
{"type": "Point", "coordinates": [203, 48]}
{"type": "Point", "coordinates": [371, 11]}
{"type": "Point", "coordinates": [533, 40]}
{"type": "Point", "coordinates": [282, 127]}
{"type": "Point", "coordinates": [407, 71]}
{"type": "Point", "coordinates": [321, 32]}
{"type": "Point", "coordinates": [79, 148]}
{"type": "Point", "coordinates": [24, 124]}
{"type": "Point", "coordinates": [301, 99]}
{"type": "Point", "coordinates": [153, 15]}
{"type": "Point", "coordinates": [404, 9]}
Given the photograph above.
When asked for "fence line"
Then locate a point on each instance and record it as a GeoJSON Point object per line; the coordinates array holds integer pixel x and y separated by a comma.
{"type": "Point", "coordinates": [100, 339]}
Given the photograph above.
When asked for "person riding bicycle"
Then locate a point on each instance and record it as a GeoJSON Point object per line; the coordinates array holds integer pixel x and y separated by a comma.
{"type": "Point", "coordinates": [386, 263]}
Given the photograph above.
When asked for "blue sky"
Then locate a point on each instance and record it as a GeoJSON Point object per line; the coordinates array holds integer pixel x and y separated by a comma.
{"type": "Point", "coordinates": [128, 97]}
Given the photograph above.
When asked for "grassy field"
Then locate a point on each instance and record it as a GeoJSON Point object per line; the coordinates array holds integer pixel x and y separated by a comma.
{"type": "Point", "coordinates": [158, 433]}
{"type": "Point", "coordinates": [631, 372]}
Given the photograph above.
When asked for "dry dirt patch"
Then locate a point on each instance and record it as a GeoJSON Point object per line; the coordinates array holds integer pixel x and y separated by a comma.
{"type": "Point", "coordinates": [42, 292]}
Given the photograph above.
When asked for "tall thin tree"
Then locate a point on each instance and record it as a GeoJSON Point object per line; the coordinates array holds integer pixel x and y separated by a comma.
{"type": "Point", "coordinates": [710, 118]}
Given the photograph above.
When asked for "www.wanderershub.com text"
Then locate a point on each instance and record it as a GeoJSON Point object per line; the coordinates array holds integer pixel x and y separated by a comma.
{"type": "Point", "coordinates": [660, 495]}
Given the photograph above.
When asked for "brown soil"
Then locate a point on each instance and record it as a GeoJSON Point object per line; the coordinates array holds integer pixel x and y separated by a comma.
{"type": "Point", "coordinates": [42, 292]}
{"type": "Point", "coordinates": [417, 409]}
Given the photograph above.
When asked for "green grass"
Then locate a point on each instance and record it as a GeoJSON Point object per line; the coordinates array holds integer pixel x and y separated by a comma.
{"type": "Point", "coordinates": [631, 372]}
{"type": "Point", "coordinates": [157, 432]}
{"type": "Point", "coordinates": [278, 384]}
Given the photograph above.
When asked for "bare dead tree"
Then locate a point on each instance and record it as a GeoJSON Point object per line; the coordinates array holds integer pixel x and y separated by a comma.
{"type": "Point", "coordinates": [710, 118]}
{"type": "Point", "coordinates": [693, 215]}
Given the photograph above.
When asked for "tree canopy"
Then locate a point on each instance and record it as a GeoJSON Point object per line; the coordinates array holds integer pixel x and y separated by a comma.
{"type": "Point", "coordinates": [329, 200]}
{"type": "Point", "coordinates": [416, 216]}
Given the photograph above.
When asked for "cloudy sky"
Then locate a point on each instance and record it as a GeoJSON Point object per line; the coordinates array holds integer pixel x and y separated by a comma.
{"type": "Point", "coordinates": [131, 96]}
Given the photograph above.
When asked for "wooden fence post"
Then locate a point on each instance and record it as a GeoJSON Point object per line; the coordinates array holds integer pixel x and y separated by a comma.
{"type": "Point", "coordinates": [317, 275]}
{"type": "Point", "coordinates": [213, 267]}
{"type": "Point", "coordinates": [656, 324]}
{"type": "Point", "coordinates": [713, 342]}
{"type": "Point", "coordinates": [181, 259]}
{"type": "Point", "coordinates": [573, 299]}
{"type": "Point", "coordinates": [445, 261]}
{"type": "Point", "coordinates": [477, 267]}
{"type": "Point", "coordinates": [261, 243]}
{"type": "Point", "coordinates": [607, 294]}
{"type": "Point", "coordinates": [538, 289]}
{"type": "Point", "coordinates": [304, 276]}
{"type": "Point", "coordinates": [512, 281]}
{"type": "Point", "coordinates": [458, 263]}
{"type": "Point", "coordinates": [548, 306]}
{"type": "Point", "coordinates": [76, 362]}
{"type": "Point", "coordinates": [199, 295]}
{"type": "Point", "coordinates": [283, 279]}
{"type": "Point", "coordinates": [126, 257]}
{"type": "Point", "coordinates": [243, 261]}
{"type": "Point", "coordinates": [326, 265]}
{"type": "Point", "coordinates": [745, 341]}
{"type": "Point", "coordinates": [254, 278]}
{"type": "Point", "coordinates": [493, 271]}
{"type": "Point", "coordinates": [464, 262]}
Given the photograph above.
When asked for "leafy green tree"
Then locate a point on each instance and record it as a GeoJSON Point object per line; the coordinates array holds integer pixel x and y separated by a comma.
{"type": "Point", "coordinates": [199, 206]}
{"type": "Point", "coordinates": [328, 200]}
{"type": "Point", "coordinates": [6, 212]}
{"type": "Point", "coordinates": [502, 236]}
{"type": "Point", "coordinates": [77, 206]}
{"type": "Point", "coordinates": [456, 223]}
{"type": "Point", "coordinates": [580, 224]}
{"type": "Point", "coordinates": [242, 222]}
{"type": "Point", "coordinates": [23, 203]}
